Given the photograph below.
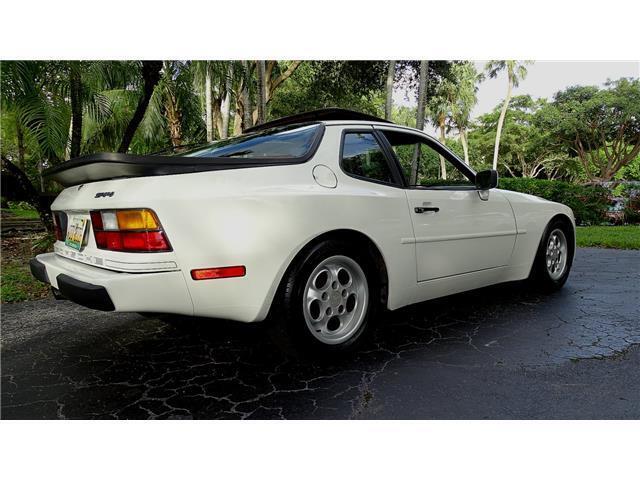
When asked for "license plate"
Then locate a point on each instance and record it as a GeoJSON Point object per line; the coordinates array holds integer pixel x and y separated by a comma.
{"type": "Point", "coordinates": [75, 232]}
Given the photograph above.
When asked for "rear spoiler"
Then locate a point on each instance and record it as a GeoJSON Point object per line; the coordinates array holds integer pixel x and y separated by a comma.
{"type": "Point", "coordinates": [108, 166]}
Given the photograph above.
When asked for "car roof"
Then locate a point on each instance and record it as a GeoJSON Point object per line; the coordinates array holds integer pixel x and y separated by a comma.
{"type": "Point", "coordinates": [332, 116]}
{"type": "Point", "coordinates": [319, 115]}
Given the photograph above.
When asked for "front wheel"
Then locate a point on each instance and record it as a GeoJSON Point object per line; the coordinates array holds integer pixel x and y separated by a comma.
{"type": "Point", "coordinates": [554, 257]}
{"type": "Point", "coordinates": [327, 301]}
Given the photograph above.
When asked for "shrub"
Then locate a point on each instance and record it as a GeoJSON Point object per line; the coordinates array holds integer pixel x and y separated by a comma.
{"type": "Point", "coordinates": [632, 210]}
{"type": "Point", "coordinates": [20, 205]}
{"type": "Point", "coordinates": [588, 202]}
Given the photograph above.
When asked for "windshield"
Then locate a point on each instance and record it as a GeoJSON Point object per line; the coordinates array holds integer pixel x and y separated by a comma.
{"type": "Point", "coordinates": [291, 141]}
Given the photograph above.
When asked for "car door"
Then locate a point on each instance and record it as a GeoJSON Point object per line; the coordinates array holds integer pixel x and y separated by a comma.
{"type": "Point", "coordinates": [455, 231]}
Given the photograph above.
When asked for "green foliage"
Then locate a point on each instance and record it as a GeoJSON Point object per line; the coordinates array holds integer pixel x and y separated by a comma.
{"type": "Point", "coordinates": [17, 284]}
{"type": "Point", "coordinates": [357, 85]}
{"type": "Point", "coordinates": [526, 149]}
{"type": "Point", "coordinates": [20, 210]}
{"type": "Point", "coordinates": [624, 237]}
{"type": "Point", "coordinates": [601, 127]}
{"type": "Point", "coordinates": [630, 171]}
{"type": "Point", "coordinates": [589, 203]}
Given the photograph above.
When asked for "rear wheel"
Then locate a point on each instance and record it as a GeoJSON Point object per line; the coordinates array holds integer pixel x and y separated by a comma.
{"type": "Point", "coordinates": [554, 257]}
{"type": "Point", "coordinates": [327, 300]}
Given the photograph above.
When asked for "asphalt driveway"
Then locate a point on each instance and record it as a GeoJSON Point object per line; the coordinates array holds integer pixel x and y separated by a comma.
{"type": "Point", "coordinates": [500, 353]}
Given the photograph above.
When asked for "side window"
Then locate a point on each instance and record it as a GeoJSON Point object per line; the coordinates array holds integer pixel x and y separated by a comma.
{"type": "Point", "coordinates": [433, 169]}
{"type": "Point", "coordinates": [363, 157]}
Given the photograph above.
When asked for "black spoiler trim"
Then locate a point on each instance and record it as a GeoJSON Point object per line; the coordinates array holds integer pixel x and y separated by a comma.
{"type": "Point", "coordinates": [109, 166]}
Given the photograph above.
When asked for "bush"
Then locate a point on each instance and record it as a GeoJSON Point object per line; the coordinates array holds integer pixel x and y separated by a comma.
{"type": "Point", "coordinates": [632, 210]}
{"type": "Point", "coordinates": [588, 202]}
{"type": "Point", "coordinates": [20, 205]}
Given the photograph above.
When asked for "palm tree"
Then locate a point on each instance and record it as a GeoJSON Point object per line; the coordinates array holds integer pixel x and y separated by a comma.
{"type": "Point", "coordinates": [210, 78]}
{"type": "Point", "coordinates": [389, 90]}
{"type": "Point", "coordinates": [150, 70]}
{"type": "Point", "coordinates": [208, 104]}
{"type": "Point", "coordinates": [246, 95]}
{"type": "Point", "coordinates": [75, 96]}
{"type": "Point", "coordinates": [31, 94]}
{"type": "Point", "coordinates": [516, 71]}
{"type": "Point", "coordinates": [420, 114]}
{"type": "Point", "coordinates": [226, 102]}
{"type": "Point", "coordinates": [262, 102]}
{"type": "Point", "coordinates": [466, 80]}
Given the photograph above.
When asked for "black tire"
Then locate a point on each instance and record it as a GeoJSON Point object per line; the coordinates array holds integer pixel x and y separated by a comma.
{"type": "Point", "coordinates": [540, 276]}
{"type": "Point", "coordinates": [287, 326]}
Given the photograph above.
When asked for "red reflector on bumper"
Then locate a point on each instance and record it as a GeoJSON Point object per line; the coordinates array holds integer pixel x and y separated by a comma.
{"type": "Point", "coordinates": [219, 272]}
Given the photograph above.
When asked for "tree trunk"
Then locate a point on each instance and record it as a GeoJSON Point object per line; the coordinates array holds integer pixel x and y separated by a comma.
{"type": "Point", "coordinates": [226, 102]}
{"type": "Point", "coordinates": [32, 195]}
{"type": "Point", "coordinates": [75, 91]}
{"type": "Point", "coordinates": [503, 113]}
{"type": "Point", "coordinates": [443, 164]}
{"type": "Point", "coordinates": [388, 106]}
{"type": "Point", "coordinates": [40, 170]}
{"type": "Point", "coordinates": [208, 105]}
{"type": "Point", "coordinates": [20, 139]}
{"type": "Point", "coordinates": [262, 103]}
{"type": "Point", "coordinates": [217, 116]}
{"type": "Point", "coordinates": [237, 122]}
{"type": "Point", "coordinates": [465, 146]}
{"type": "Point", "coordinates": [272, 84]}
{"type": "Point", "coordinates": [422, 93]}
{"type": "Point", "coordinates": [174, 118]}
{"type": "Point", "coordinates": [151, 76]}
{"type": "Point", "coordinates": [246, 96]}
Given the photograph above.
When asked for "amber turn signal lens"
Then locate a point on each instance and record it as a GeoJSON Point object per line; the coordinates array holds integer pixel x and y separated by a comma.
{"type": "Point", "coordinates": [137, 220]}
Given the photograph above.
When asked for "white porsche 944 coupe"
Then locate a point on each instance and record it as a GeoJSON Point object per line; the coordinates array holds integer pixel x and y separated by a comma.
{"type": "Point", "coordinates": [308, 221]}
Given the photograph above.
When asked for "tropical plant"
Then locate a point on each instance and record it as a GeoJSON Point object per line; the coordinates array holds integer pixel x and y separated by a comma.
{"type": "Point", "coordinates": [516, 71]}
{"type": "Point", "coordinates": [601, 127]}
{"type": "Point", "coordinates": [420, 117]}
{"type": "Point", "coordinates": [391, 72]}
{"type": "Point", "coordinates": [464, 98]}
{"type": "Point", "coordinates": [526, 147]}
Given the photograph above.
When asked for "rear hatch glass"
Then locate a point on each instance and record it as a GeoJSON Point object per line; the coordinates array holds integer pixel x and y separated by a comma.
{"type": "Point", "coordinates": [291, 141]}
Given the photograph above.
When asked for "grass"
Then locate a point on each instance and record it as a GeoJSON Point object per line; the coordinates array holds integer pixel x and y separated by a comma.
{"type": "Point", "coordinates": [16, 282]}
{"type": "Point", "coordinates": [21, 212]}
{"type": "Point", "coordinates": [624, 237]}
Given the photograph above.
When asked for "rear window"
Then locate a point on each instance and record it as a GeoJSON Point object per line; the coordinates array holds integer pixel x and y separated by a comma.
{"type": "Point", "coordinates": [288, 142]}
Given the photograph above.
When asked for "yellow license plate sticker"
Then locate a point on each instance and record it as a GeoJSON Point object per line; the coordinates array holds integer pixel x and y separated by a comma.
{"type": "Point", "coordinates": [75, 232]}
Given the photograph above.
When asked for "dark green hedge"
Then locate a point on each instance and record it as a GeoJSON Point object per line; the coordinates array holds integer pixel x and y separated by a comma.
{"type": "Point", "coordinates": [589, 203]}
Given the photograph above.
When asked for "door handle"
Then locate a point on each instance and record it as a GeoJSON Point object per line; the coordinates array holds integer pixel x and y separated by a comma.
{"type": "Point", "coordinates": [426, 209]}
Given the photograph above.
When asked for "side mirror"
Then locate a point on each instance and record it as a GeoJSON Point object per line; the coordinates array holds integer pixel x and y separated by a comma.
{"type": "Point", "coordinates": [485, 181]}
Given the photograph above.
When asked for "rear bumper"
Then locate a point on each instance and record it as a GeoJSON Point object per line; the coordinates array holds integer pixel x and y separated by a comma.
{"type": "Point", "coordinates": [82, 293]}
{"type": "Point", "coordinates": [107, 290]}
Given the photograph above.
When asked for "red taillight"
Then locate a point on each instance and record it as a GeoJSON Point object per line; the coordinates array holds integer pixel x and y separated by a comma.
{"type": "Point", "coordinates": [118, 232]}
{"type": "Point", "coordinates": [96, 220]}
{"type": "Point", "coordinates": [56, 227]}
{"type": "Point", "coordinates": [219, 272]}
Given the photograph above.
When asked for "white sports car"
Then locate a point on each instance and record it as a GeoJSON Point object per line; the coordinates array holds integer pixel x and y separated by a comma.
{"type": "Point", "coordinates": [310, 221]}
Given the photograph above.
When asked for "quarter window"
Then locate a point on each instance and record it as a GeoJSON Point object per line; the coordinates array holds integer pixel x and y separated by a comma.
{"type": "Point", "coordinates": [363, 157]}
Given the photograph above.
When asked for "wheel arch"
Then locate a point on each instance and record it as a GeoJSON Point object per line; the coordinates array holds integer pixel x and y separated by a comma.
{"type": "Point", "coordinates": [349, 236]}
{"type": "Point", "coordinates": [564, 218]}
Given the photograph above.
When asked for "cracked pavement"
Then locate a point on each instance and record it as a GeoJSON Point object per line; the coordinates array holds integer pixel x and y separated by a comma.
{"type": "Point", "coordinates": [501, 353]}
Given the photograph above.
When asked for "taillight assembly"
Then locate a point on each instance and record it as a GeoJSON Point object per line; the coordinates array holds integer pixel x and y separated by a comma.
{"type": "Point", "coordinates": [135, 230]}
